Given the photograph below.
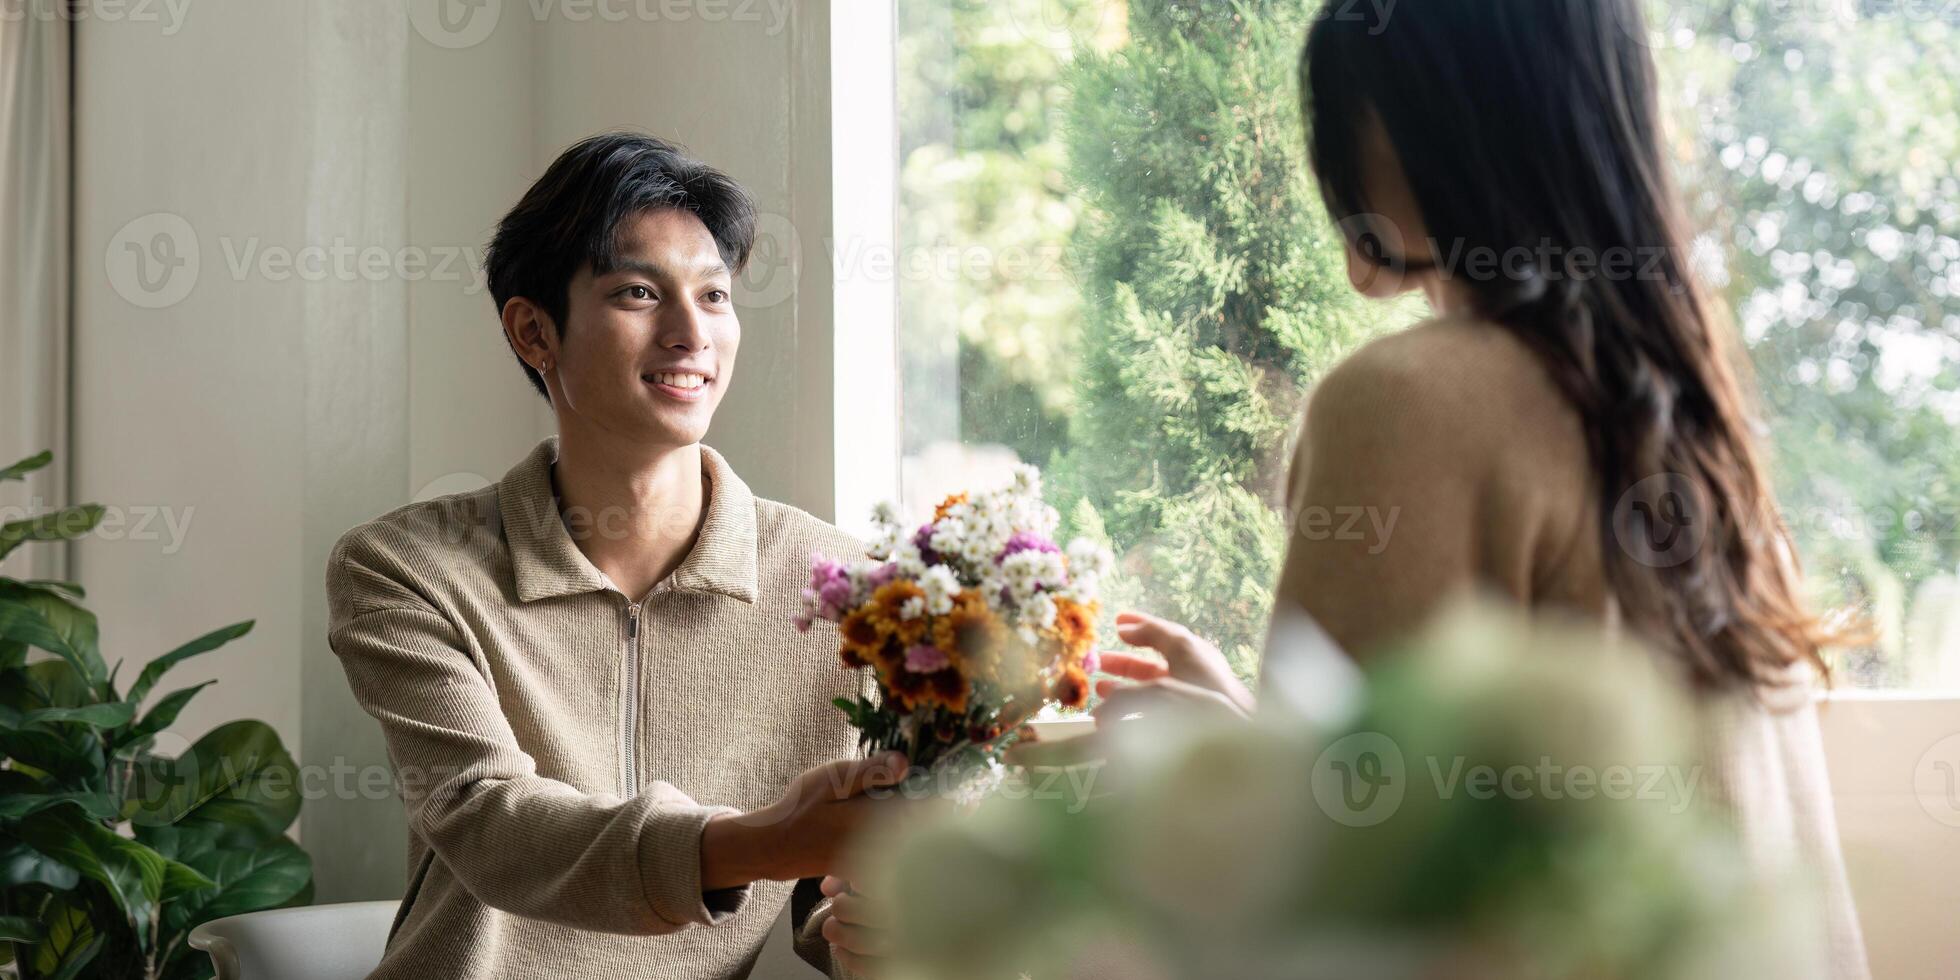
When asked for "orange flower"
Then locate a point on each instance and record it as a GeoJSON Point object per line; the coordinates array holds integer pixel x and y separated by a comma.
{"type": "Point", "coordinates": [1072, 688]}
{"type": "Point", "coordinates": [1075, 626]}
{"type": "Point", "coordinates": [946, 687]}
{"type": "Point", "coordinates": [887, 605]}
{"type": "Point", "coordinates": [946, 505]}
{"type": "Point", "coordinates": [861, 637]}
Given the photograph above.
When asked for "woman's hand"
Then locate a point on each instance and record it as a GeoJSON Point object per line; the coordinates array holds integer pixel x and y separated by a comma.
{"type": "Point", "coordinates": [1192, 672]}
{"type": "Point", "coordinates": [856, 933]}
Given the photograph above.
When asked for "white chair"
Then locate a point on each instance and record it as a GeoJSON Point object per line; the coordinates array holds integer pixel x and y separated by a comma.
{"type": "Point", "coordinates": [318, 942]}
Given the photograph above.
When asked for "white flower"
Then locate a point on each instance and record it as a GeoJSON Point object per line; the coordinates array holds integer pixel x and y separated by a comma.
{"type": "Point", "coordinates": [910, 563]}
{"type": "Point", "coordinates": [1021, 573]}
{"type": "Point", "coordinates": [886, 541]}
{"type": "Point", "coordinates": [940, 586]}
{"type": "Point", "coordinates": [861, 572]}
{"type": "Point", "coordinates": [1083, 588]}
{"type": "Point", "coordinates": [1039, 612]}
{"type": "Point", "coordinates": [949, 536]}
{"type": "Point", "coordinates": [1086, 557]}
{"type": "Point", "coordinates": [1026, 482]}
{"type": "Point", "coordinates": [884, 514]}
{"type": "Point", "coordinates": [913, 608]}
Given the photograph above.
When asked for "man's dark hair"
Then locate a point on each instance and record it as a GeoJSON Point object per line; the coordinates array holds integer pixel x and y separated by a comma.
{"type": "Point", "coordinates": [571, 218]}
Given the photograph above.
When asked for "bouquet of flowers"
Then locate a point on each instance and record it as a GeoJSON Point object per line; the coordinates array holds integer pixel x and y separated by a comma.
{"type": "Point", "coordinates": [971, 622]}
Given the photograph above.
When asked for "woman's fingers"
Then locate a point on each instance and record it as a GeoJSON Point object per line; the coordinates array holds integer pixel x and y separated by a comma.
{"type": "Point", "coordinates": [1169, 693]}
{"type": "Point", "coordinates": [1163, 636]}
{"type": "Point", "coordinates": [1131, 666]}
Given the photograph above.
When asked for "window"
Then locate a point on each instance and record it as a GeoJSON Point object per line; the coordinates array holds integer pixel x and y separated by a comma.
{"type": "Point", "coordinates": [1108, 277]}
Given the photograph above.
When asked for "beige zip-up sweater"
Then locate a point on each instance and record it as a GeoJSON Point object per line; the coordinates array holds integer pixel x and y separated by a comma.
{"type": "Point", "coordinates": [1442, 460]}
{"type": "Point", "coordinates": [559, 747]}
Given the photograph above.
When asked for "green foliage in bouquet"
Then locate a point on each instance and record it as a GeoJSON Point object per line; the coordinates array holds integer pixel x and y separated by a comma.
{"type": "Point", "coordinates": [109, 851]}
{"type": "Point", "coordinates": [1500, 799]}
{"type": "Point", "coordinates": [1214, 292]}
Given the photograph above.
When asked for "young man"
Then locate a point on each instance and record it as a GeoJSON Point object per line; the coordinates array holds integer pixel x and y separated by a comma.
{"type": "Point", "coordinates": [615, 752]}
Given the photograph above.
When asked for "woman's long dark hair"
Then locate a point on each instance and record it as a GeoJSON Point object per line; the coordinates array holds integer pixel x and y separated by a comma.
{"type": "Point", "coordinates": [1531, 128]}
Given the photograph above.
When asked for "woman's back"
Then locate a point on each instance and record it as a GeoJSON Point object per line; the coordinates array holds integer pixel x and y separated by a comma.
{"type": "Point", "coordinates": [1442, 460]}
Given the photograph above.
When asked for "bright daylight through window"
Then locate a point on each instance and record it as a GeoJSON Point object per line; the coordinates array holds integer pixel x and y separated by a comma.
{"type": "Point", "coordinates": [1116, 267]}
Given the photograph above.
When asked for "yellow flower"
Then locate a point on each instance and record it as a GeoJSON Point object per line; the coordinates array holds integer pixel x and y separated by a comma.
{"type": "Point", "coordinates": [887, 612]}
{"type": "Point", "coordinates": [860, 637]}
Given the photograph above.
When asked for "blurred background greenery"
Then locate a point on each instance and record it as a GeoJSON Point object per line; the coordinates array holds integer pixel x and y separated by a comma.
{"type": "Point", "coordinates": [1115, 266]}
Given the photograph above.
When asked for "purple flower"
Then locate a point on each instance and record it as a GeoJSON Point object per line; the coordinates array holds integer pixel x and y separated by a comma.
{"type": "Point", "coordinates": [1091, 662]}
{"type": "Point", "coordinates": [923, 659]}
{"type": "Point", "coordinates": [1025, 541]}
{"type": "Point", "coordinates": [830, 586]}
{"type": "Point", "coordinates": [922, 540]}
{"type": "Point", "coordinates": [884, 575]}
{"type": "Point", "coordinates": [835, 594]}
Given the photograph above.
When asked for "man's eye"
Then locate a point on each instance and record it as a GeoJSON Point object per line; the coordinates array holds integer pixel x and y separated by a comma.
{"type": "Point", "coordinates": [639, 292]}
{"type": "Point", "coordinates": [717, 296]}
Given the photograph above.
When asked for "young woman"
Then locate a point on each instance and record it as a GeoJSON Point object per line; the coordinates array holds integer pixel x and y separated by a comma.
{"type": "Point", "coordinates": [1570, 430]}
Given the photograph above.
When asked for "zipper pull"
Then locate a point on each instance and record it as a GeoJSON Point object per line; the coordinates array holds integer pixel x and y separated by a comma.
{"type": "Point", "coordinates": [633, 623]}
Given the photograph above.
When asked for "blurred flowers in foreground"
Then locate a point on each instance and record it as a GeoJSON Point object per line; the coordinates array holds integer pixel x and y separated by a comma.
{"type": "Point", "coordinates": [1504, 799]}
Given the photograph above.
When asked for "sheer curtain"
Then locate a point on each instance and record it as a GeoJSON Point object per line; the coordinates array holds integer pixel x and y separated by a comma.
{"type": "Point", "coordinates": [34, 264]}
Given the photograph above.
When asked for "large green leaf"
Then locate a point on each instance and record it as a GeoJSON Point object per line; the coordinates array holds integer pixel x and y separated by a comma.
{"type": "Point", "coordinates": [70, 759]}
{"type": "Point", "coordinates": [20, 470]}
{"type": "Point", "coordinates": [166, 711]}
{"type": "Point", "coordinates": [237, 783]}
{"type": "Point", "coordinates": [14, 806]}
{"type": "Point", "coordinates": [70, 589]}
{"type": "Point", "coordinates": [47, 684]}
{"type": "Point", "coordinates": [23, 865]}
{"type": "Point", "coordinates": [65, 524]}
{"type": "Point", "coordinates": [130, 870]}
{"type": "Point", "coordinates": [17, 929]}
{"type": "Point", "coordinates": [52, 623]}
{"type": "Point", "coordinates": [203, 644]}
{"type": "Point", "coordinates": [69, 943]}
{"type": "Point", "coordinates": [108, 714]}
{"type": "Point", "coordinates": [245, 880]}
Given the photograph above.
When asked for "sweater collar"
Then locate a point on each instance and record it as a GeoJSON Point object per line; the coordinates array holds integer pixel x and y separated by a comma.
{"type": "Point", "coordinates": [546, 562]}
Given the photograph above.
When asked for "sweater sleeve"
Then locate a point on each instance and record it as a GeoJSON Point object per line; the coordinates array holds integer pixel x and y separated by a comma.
{"type": "Point", "coordinates": [518, 841]}
{"type": "Point", "coordinates": [1384, 503]}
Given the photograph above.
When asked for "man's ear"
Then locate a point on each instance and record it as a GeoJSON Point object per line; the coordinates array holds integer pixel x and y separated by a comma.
{"type": "Point", "coordinates": [531, 333]}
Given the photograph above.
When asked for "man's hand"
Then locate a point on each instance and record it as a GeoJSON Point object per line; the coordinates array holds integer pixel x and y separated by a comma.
{"type": "Point", "coordinates": [801, 835]}
{"type": "Point", "coordinates": [856, 933]}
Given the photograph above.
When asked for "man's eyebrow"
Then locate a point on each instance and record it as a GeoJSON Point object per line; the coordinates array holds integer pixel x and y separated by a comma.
{"type": "Point", "coordinates": [707, 268]}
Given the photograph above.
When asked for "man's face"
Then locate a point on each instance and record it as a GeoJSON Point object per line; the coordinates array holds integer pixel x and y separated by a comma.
{"type": "Point", "coordinates": [649, 347]}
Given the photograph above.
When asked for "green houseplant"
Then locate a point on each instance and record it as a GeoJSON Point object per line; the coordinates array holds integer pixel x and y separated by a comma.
{"type": "Point", "coordinates": [109, 850]}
